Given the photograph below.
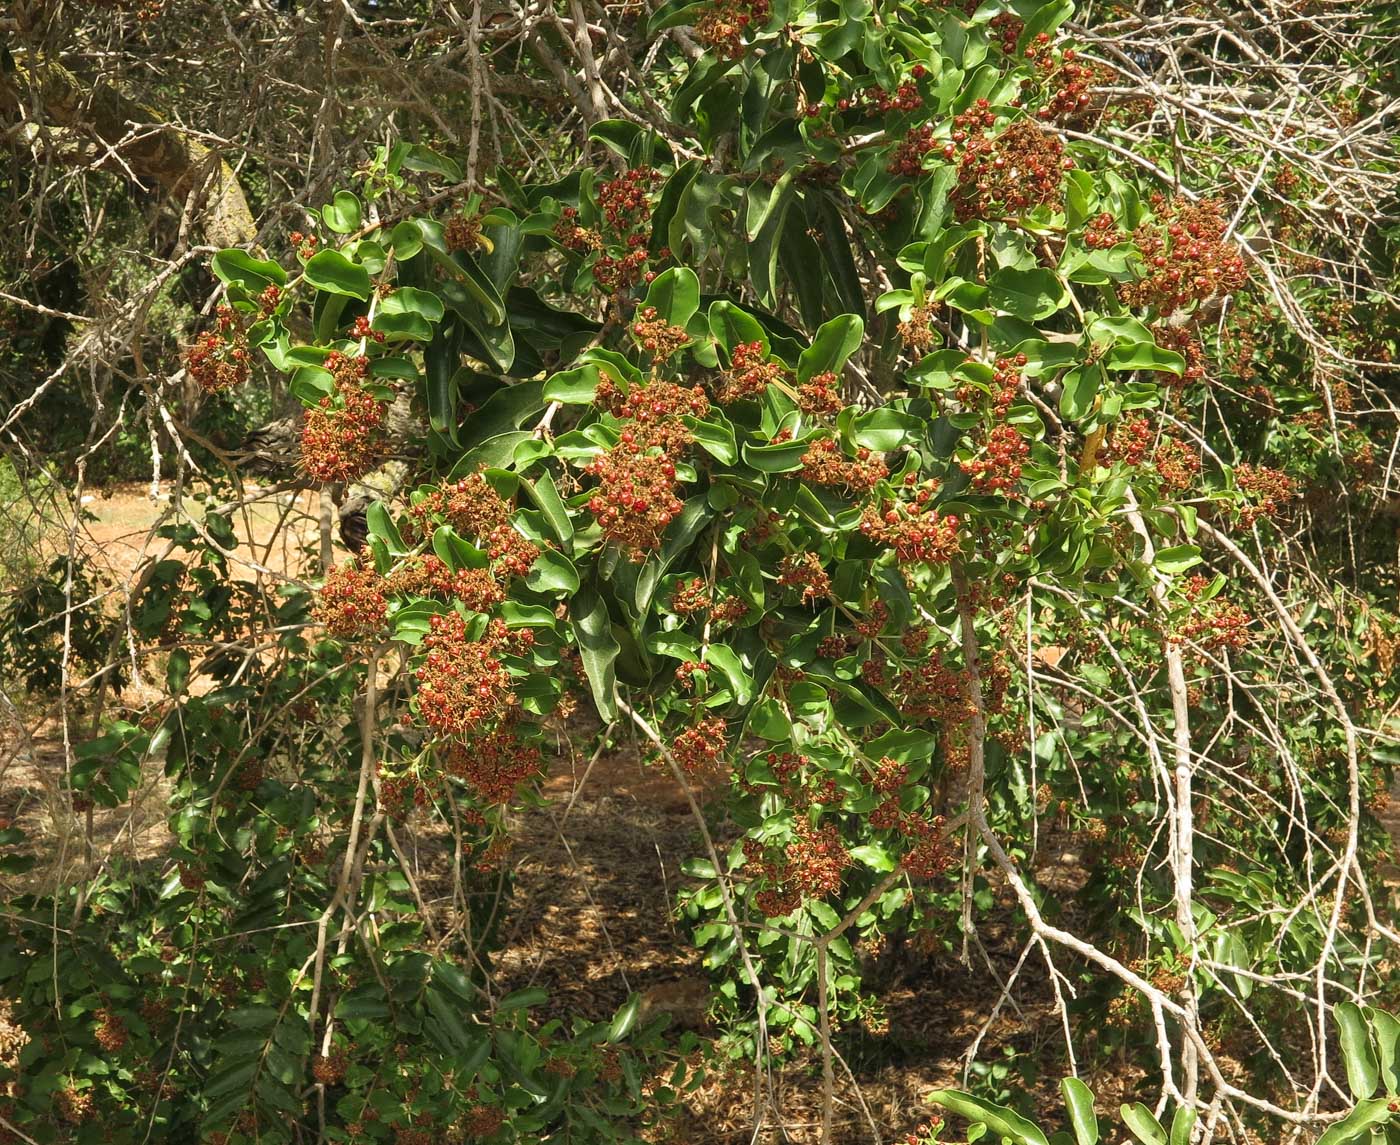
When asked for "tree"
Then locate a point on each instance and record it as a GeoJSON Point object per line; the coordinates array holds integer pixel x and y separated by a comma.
{"type": "Point", "coordinates": [932, 432]}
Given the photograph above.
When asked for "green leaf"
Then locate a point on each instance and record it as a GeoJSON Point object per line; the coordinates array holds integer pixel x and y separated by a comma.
{"type": "Point", "coordinates": [1028, 294]}
{"type": "Point", "coordinates": [598, 649]}
{"type": "Point", "coordinates": [715, 435]}
{"type": "Point", "coordinates": [1363, 1072]}
{"type": "Point", "coordinates": [331, 271]}
{"type": "Point", "coordinates": [426, 161]}
{"type": "Point", "coordinates": [885, 429]}
{"type": "Point", "coordinates": [1183, 1121]}
{"type": "Point", "coordinates": [784, 457]}
{"type": "Point", "coordinates": [1144, 356]}
{"type": "Point", "coordinates": [1177, 559]}
{"type": "Point", "coordinates": [573, 387]}
{"type": "Point", "coordinates": [555, 512]}
{"type": "Point", "coordinates": [456, 552]}
{"type": "Point", "coordinates": [1356, 1125]}
{"type": "Point", "coordinates": [441, 360]}
{"type": "Point", "coordinates": [625, 1019]}
{"type": "Point", "coordinates": [1385, 1027]}
{"type": "Point", "coordinates": [834, 343]}
{"type": "Point", "coordinates": [732, 668]}
{"type": "Point", "coordinates": [1081, 387]}
{"type": "Point", "coordinates": [999, 1119]}
{"type": "Point", "coordinates": [342, 213]}
{"type": "Point", "coordinates": [874, 856]}
{"type": "Point", "coordinates": [553, 572]}
{"type": "Point", "coordinates": [1146, 1128]}
{"type": "Point", "coordinates": [234, 267]}
{"type": "Point", "coordinates": [1079, 1100]}
{"type": "Point", "coordinates": [676, 295]}
{"type": "Point", "coordinates": [733, 326]}
{"type": "Point", "coordinates": [522, 999]}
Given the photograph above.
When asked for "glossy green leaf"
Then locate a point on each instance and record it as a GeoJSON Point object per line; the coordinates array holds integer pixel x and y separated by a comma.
{"type": "Point", "coordinates": [998, 1118]}
{"type": "Point", "coordinates": [1363, 1071]}
{"type": "Point", "coordinates": [1079, 1101]}
{"type": "Point", "coordinates": [832, 345]}
{"type": "Point", "coordinates": [331, 271]}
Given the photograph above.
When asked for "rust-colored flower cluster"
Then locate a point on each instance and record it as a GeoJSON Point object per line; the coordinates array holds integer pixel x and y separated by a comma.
{"type": "Point", "coordinates": [1130, 442]}
{"type": "Point", "coordinates": [495, 764]}
{"type": "Point", "coordinates": [749, 373]}
{"type": "Point", "coordinates": [820, 396]}
{"type": "Point", "coordinates": [219, 359]}
{"type": "Point", "coordinates": [702, 747]}
{"type": "Point", "coordinates": [351, 602]}
{"type": "Point", "coordinates": [825, 464]}
{"type": "Point", "coordinates": [804, 571]}
{"type": "Point", "coordinates": [1008, 174]}
{"type": "Point", "coordinates": [429, 575]}
{"type": "Point", "coordinates": [722, 25]}
{"type": "Point", "coordinates": [636, 496]}
{"type": "Point", "coordinates": [1176, 465]}
{"type": "Point", "coordinates": [475, 509]}
{"type": "Point", "coordinates": [914, 529]}
{"type": "Point", "coordinates": [462, 683]}
{"type": "Point", "coordinates": [342, 437]}
{"type": "Point", "coordinates": [1187, 256]}
{"type": "Point", "coordinates": [998, 469]}
{"type": "Point", "coordinates": [1269, 489]}
{"type": "Point", "coordinates": [656, 336]}
{"type": "Point", "coordinates": [654, 412]}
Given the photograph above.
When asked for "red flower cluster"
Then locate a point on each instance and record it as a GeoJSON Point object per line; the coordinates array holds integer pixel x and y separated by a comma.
{"type": "Point", "coordinates": [875, 99]}
{"type": "Point", "coordinates": [701, 747]}
{"type": "Point", "coordinates": [1222, 624]}
{"type": "Point", "coordinates": [341, 438]}
{"type": "Point", "coordinates": [219, 358]}
{"type": "Point", "coordinates": [908, 158]}
{"type": "Point", "coordinates": [1008, 174]}
{"type": "Point", "coordinates": [574, 237]}
{"type": "Point", "coordinates": [462, 683]}
{"type": "Point", "coordinates": [1009, 27]}
{"type": "Point", "coordinates": [932, 690]}
{"type": "Point", "coordinates": [475, 509]}
{"type": "Point", "coordinates": [816, 860]}
{"type": "Point", "coordinates": [1068, 85]}
{"type": "Point", "coordinates": [1176, 465]}
{"type": "Point", "coordinates": [351, 603]}
{"type": "Point", "coordinates": [1130, 442]}
{"type": "Point", "coordinates": [624, 200]}
{"type": "Point", "coordinates": [636, 497]}
{"type": "Point", "coordinates": [494, 765]}
{"type": "Point", "coordinates": [998, 470]}
{"type": "Point", "coordinates": [694, 598]}
{"type": "Point", "coordinates": [362, 329]}
{"type": "Point", "coordinates": [428, 575]}
{"type": "Point", "coordinates": [1103, 233]}
{"type": "Point", "coordinates": [749, 373]}
{"type": "Point", "coordinates": [1005, 386]}
{"type": "Point", "coordinates": [655, 411]}
{"type": "Point", "coordinates": [805, 571]}
{"type": "Point", "coordinates": [825, 464]}
{"type": "Point", "coordinates": [617, 274]}
{"type": "Point", "coordinates": [305, 244]}
{"type": "Point", "coordinates": [913, 529]}
{"type": "Point", "coordinates": [657, 336]}
{"type": "Point", "coordinates": [1181, 340]}
{"type": "Point", "coordinates": [722, 26]}
{"type": "Point", "coordinates": [1188, 258]}
{"type": "Point", "coordinates": [1271, 488]}
{"type": "Point", "coordinates": [819, 397]}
